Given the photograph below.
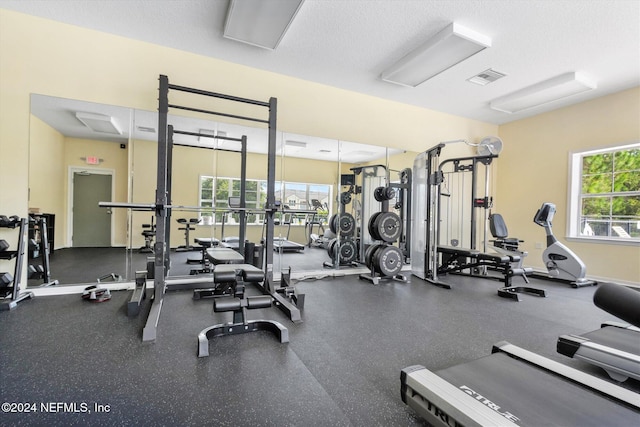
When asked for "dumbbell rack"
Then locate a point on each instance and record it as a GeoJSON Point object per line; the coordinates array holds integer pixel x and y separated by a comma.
{"type": "Point", "coordinates": [41, 243]}
{"type": "Point", "coordinates": [11, 294]}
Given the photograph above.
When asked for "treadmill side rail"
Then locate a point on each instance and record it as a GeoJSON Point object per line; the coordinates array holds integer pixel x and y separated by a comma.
{"type": "Point", "coordinates": [597, 385]}
{"type": "Point", "coordinates": [620, 325]}
{"type": "Point", "coordinates": [620, 365]}
{"type": "Point", "coordinates": [442, 404]}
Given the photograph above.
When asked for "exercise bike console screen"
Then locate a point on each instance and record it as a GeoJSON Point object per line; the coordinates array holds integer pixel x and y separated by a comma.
{"type": "Point", "coordinates": [545, 214]}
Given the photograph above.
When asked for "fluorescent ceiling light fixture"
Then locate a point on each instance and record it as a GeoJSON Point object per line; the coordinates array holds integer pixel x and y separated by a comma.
{"type": "Point", "coordinates": [99, 123]}
{"type": "Point", "coordinates": [449, 47]}
{"type": "Point", "coordinates": [544, 92]}
{"type": "Point", "coordinates": [261, 23]}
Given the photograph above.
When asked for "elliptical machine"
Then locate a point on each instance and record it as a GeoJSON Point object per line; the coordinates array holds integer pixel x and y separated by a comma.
{"type": "Point", "coordinates": [562, 264]}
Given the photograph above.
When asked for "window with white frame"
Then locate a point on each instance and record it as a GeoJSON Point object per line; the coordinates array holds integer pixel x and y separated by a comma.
{"type": "Point", "coordinates": [215, 192]}
{"type": "Point", "coordinates": [605, 194]}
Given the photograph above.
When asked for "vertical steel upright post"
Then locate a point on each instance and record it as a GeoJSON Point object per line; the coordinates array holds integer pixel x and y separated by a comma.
{"type": "Point", "coordinates": [271, 196]}
{"type": "Point", "coordinates": [474, 195]}
{"type": "Point", "coordinates": [150, 328]}
{"type": "Point", "coordinates": [243, 196]}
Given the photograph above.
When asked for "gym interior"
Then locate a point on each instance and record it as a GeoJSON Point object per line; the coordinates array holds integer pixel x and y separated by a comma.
{"type": "Point", "coordinates": [241, 246]}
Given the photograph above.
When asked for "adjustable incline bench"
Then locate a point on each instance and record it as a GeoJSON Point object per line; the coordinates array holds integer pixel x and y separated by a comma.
{"type": "Point", "coordinates": [229, 276]}
{"type": "Point", "coordinates": [204, 244]}
{"type": "Point", "coordinates": [455, 259]}
{"type": "Point", "coordinates": [615, 347]}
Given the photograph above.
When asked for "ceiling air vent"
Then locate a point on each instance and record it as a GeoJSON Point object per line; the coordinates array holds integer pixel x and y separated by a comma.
{"type": "Point", "coordinates": [486, 77]}
{"type": "Point", "coordinates": [146, 129]}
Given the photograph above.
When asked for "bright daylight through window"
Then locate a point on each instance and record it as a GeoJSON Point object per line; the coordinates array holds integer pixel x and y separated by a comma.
{"type": "Point", "coordinates": [296, 196]}
{"type": "Point", "coordinates": [605, 194]}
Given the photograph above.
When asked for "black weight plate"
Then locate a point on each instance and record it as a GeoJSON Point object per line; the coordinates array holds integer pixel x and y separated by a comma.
{"type": "Point", "coordinates": [384, 193]}
{"type": "Point", "coordinates": [345, 198]}
{"type": "Point", "coordinates": [390, 193]}
{"type": "Point", "coordinates": [368, 254]}
{"type": "Point", "coordinates": [348, 251]}
{"type": "Point", "coordinates": [333, 223]}
{"type": "Point", "coordinates": [373, 228]}
{"type": "Point", "coordinates": [347, 224]}
{"type": "Point", "coordinates": [388, 260]}
{"type": "Point", "coordinates": [331, 248]}
{"type": "Point", "coordinates": [388, 226]}
{"type": "Point", "coordinates": [378, 194]}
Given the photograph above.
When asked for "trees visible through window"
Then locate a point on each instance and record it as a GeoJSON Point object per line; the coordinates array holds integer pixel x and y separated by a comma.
{"type": "Point", "coordinates": [606, 202]}
{"type": "Point", "coordinates": [215, 192]}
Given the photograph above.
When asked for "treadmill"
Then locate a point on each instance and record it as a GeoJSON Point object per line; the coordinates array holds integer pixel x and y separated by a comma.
{"type": "Point", "coordinates": [283, 244]}
{"type": "Point", "coordinates": [514, 387]}
{"type": "Point", "coordinates": [615, 347]}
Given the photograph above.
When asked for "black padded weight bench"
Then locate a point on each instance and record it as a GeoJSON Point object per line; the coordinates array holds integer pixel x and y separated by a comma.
{"type": "Point", "coordinates": [224, 256]}
{"type": "Point", "coordinates": [203, 243]}
{"type": "Point", "coordinates": [230, 242]}
{"type": "Point", "coordinates": [455, 260]}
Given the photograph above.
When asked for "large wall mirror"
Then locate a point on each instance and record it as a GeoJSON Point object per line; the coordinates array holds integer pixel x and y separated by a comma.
{"type": "Point", "coordinates": [82, 153]}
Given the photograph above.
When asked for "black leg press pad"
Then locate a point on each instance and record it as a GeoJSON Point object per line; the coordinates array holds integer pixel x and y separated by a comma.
{"type": "Point", "coordinates": [227, 273]}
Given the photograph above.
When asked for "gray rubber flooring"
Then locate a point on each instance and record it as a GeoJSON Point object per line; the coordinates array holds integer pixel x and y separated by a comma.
{"type": "Point", "coordinates": [86, 265]}
{"type": "Point", "coordinates": [340, 368]}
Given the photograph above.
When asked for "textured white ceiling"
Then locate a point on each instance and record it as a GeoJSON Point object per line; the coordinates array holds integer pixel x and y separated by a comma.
{"type": "Point", "coordinates": [347, 43]}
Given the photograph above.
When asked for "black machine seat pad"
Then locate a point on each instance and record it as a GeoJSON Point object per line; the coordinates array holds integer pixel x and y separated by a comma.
{"type": "Point", "coordinates": [473, 253]}
{"type": "Point", "coordinates": [224, 256]}
{"type": "Point", "coordinates": [207, 242]}
{"type": "Point", "coordinates": [622, 339]}
{"type": "Point", "coordinates": [533, 396]}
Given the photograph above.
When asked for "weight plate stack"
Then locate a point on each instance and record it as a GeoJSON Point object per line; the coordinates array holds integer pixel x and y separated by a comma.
{"type": "Point", "coordinates": [384, 193]}
{"type": "Point", "coordinates": [368, 255]}
{"type": "Point", "coordinates": [347, 224]}
{"type": "Point", "coordinates": [385, 226]}
{"type": "Point", "coordinates": [387, 260]}
{"type": "Point", "coordinates": [348, 251]}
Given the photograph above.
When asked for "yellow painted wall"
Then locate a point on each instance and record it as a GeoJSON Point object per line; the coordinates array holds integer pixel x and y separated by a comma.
{"type": "Point", "coordinates": [46, 57]}
{"type": "Point", "coordinates": [534, 169]}
{"type": "Point", "coordinates": [99, 67]}
{"type": "Point", "coordinates": [47, 175]}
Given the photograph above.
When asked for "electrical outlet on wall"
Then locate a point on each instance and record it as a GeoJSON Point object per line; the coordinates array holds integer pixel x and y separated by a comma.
{"type": "Point", "coordinates": [538, 245]}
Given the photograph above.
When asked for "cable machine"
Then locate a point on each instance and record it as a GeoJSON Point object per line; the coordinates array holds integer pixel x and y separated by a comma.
{"type": "Point", "coordinates": [431, 257]}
